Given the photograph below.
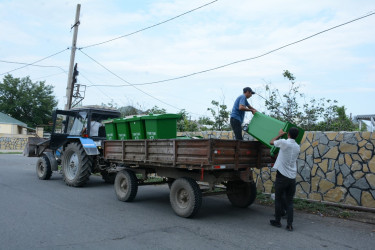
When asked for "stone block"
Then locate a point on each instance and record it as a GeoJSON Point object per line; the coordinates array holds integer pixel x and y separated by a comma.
{"type": "Point", "coordinates": [356, 194]}
{"type": "Point", "coordinates": [316, 153]}
{"type": "Point", "coordinates": [356, 157]}
{"type": "Point", "coordinates": [373, 135]}
{"type": "Point", "coordinates": [350, 138]}
{"type": "Point", "coordinates": [362, 143]}
{"type": "Point", "coordinates": [344, 169]}
{"type": "Point", "coordinates": [324, 165]}
{"type": "Point", "coordinates": [332, 153]}
{"type": "Point", "coordinates": [366, 135]}
{"type": "Point", "coordinates": [371, 164]}
{"type": "Point", "coordinates": [371, 180]}
{"type": "Point", "coordinates": [325, 185]}
{"type": "Point", "coordinates": [331, 135]}
{"type": "Point", "coordinates": [320, 173]}
{"type": "Point", "coordinates": [341, 159]}
{"type": "Point", "coordinates": [309, 160]}
{"type": "Point", "coordinates": [356, 166]}
{"type": "Point", "coordinates": [348, 181]}
{"type": "Point", "coordinates": [339, 179]}
{"type": "Point", "coordinates": [298, 178]}
{"type": "Point", "coordinates": [350, 200]}
{"type": "Point", "coordinates": [317, 135]}
{"type": "Point", "coordinates": [315, 183]}
{"type": "Point", "coordinates": [259, 185]}
{"type": "Point", "coordinates": [323, 140]}
{"type": "Point", "coordinates": [332, 144]}
{"type": "Point", "coordinates": [331, 164]}
{"type": "Point", "coordinates": [358, 136]}
{"type": "Point", "coordinates": [315, 143]}
{"type": "Point", "coordinates": [310, 136]}
{"type": "Point", "coordinates": [302, 156]}
{"type": "Point", "coordinates": [268, 186]}
{"type": "Point", "coordinates": [317, 160]}
{"type": "Point", "coordinates": [335, 195]}
{"type": "Point", "coordinates": [367, 200]}
{"type": "Point", "coordinates": [340, 137]}
{"type": "Point", "coordinates": [365, 168]}
{"type": "Point", "coordinates": [331, 176]}
{"type": "Point", "coordinates": [348, 148]}
{"type": "Point", "coordinates": [305, 186]}
{"type": "Point", "coordinates": [369, 146]}
{"type": "Point", "coordinates": [305, 173]}
{"type": "Point", "coordinates": [361, 184]}
{"type": "Point", "coordinates": [365, 154]}
{"type": "Point", "coordinates": [315, 196]}
{"type": "Point", "coordinates": [358, 175]}
{"type": "Point", "coordinates": [305, 146]}
{"type": "Point", "coordinates": [348, 159]}
{"type": "Point", "coordinates": [323, 149]}
{"type": "Point", "coordinates": [313, 170]}
{"type": "Point", "coordinates": [309, 151]}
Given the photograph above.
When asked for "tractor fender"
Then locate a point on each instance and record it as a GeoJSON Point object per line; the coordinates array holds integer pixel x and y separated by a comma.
{"type": "Point", "coordinates": [52, 160]}
{"type": "Point", "coordinates": [89, 146]}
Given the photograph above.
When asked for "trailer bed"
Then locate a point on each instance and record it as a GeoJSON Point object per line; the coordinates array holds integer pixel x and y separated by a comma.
{"type": "Point", "coordinates": [192, 154]}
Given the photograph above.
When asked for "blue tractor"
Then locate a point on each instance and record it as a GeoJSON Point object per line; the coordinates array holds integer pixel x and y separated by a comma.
{"type": "Point", "coordinates": [75, 146]}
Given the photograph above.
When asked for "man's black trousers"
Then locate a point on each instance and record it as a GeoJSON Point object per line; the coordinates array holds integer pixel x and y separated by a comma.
{"type": "Point", "coordinates": [237, 129]}
{"type": "Point", "coordinates": [284, 186]}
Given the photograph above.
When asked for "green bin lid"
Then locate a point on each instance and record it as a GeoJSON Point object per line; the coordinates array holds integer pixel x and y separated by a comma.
{"type": "Point", "coordinates": [161, 116]}
{"type": "Point", "coordinates": [134, 118]}
{"type": "Point", "coordinates": [107, 121]}
{"type": "Point", "coordinates": [119, 120]}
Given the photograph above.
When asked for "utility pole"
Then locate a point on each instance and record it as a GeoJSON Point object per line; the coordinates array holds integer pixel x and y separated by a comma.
{"type": "Point", "coordinates": [69, 87]}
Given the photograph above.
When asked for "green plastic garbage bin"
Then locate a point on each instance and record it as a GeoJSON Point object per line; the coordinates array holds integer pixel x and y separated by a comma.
{"type": "Point", "coordinates": [123, 129]}
{"type": "Point", "coordinates": [161, 126]}
{"type": "Point", "coordinates": [110, 129]}
{"type": "Point", "coordinates": [264, 128]}
{"type": "Point", "coordinates": [137, 127]}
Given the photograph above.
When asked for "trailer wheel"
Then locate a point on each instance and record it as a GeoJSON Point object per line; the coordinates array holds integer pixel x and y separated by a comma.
{"type": "Point", "coordinates": [185, 197]}
{"type": "Point", "coordinates": [241, 194]}
{"type": "Point", "coordinates": [108, 177]}
{"type": "Point", "coordinates": [76, 165]}
{"type": "Point", "coordinates": [126, 185]}
{"type": "Point", "coordinates": [43, 168]}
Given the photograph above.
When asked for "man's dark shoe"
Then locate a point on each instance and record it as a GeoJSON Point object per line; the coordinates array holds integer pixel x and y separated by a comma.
{"type": "Point", "coordinates": [289, 227]}
{"type": "Point", "coordinates": [275, 223]}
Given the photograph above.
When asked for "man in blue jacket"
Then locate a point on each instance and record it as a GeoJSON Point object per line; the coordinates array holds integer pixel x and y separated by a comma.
{"type": "Point", "coordinates": [238, 112]}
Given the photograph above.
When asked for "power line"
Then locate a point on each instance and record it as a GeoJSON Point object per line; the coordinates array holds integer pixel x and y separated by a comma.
{"type": "Point", "coordinates": [34, 65]}
{"type": "Point", "coordinates": [29, 64]}
{"type": "Point", "coordinates": [244, 60]}
{"type": "Point", "coordinates": [149, 27]}
{"type": "Point", "coordinates": [130, 84]}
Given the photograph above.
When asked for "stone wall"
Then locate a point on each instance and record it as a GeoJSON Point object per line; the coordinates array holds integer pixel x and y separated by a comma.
{"type": "Point", "coordinates": [12, 142]}
{"type": "Point", "coordinates": [332, 166]}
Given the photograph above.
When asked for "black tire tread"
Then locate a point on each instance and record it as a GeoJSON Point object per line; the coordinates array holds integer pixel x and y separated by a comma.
{"type": "Point", "coordinates": [132, 182]}
{"type": "Point", "coordinates": [241, 194]}
{"type": "Point", "coordinates": [47, 168]}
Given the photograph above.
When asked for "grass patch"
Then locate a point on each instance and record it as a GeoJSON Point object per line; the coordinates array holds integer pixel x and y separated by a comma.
{"type": "Point", "coordinates": [10, 153]}
{"type": "Point", "coordinates": [308, 207]}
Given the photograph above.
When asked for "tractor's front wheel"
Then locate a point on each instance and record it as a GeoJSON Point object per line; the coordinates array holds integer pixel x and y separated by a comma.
{"type": "Point", "coordinates": [76, 165]}
{"type": "Point", "coordinates": [43, 168]}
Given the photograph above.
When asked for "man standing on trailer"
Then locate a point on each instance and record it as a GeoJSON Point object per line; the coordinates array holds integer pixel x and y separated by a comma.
{"type": "Point", "coordinates": [238, 112]}
{"type": "Point", "coordinates": [285, 184]}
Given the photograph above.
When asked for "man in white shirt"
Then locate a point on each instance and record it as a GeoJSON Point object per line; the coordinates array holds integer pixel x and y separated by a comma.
{"type": "Point", "coordinates": [285, 184]}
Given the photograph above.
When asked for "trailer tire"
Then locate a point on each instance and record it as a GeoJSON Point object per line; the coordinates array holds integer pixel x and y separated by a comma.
{"type": "Point", "coordinates": [185, 197]}
{"type": "Point", "coordinates": [126, 185]}
{"type": "Point", "coordinates": [43, 168]}
{"type": "Point", "coordinates": [76, 165]}
{"type": "Point", "coordinates": [108, 177]}
{"type": "Point", "coordinates": [241, 194]}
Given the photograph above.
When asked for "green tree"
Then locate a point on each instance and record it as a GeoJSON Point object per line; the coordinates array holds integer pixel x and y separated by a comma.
{"type": "Point", "coordinates": [316, 114]}
{"type": "Point", "coordinates": [156, 110]}
{"type": "Point", "coordinates": [24, 100]}
{"type": "Point", "coordinates": [186, 124]}
{"type": "Point", "coordinates": [220, 115]}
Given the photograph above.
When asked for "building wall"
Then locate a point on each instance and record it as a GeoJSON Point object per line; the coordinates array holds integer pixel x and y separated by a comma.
{"type": "Point", "coordinates": [13, 142]}
{"type": "Point", "coordinates": [332, 166]}
{"type": "Point", "coordinates": [6, 128]}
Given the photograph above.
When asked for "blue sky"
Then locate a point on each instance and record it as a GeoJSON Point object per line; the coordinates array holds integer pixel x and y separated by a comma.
{"type": "Point", "coordinates": [339, 64]}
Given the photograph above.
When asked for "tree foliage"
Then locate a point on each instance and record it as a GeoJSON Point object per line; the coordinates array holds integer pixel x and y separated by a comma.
{"type": "Point", "coordinates": [27, 101]}
{"type": "Point", "coordinates": [185, 123]}
{"type": "Point", "coordinates": [220, 116]}
{"type": "Point", "coordinates": [315, 114]}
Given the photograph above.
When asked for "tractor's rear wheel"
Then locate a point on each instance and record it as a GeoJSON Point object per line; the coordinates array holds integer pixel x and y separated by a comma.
{"type": "Point", "coordinates": [241, 194]}
{"type": "Point", "coordinates": [76, 165]}
{"type": "Point", "coordinates": [43, 168]}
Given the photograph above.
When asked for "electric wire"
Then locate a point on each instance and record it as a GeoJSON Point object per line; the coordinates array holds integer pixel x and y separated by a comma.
{"type": "Point", "coordinates": [122, 79]}
{"type": "Point", "coordinates": [149, 27]}
{"type": "Point", "coordinates": [35, 65]}
{"type": "Point", "coordinates": [30, 64]}
{"type": "Point", "coordinates": [247, 59]}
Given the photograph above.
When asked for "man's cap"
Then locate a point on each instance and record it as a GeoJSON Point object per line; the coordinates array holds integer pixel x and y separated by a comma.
{"type": "Point", "coordinates": [248, 89]}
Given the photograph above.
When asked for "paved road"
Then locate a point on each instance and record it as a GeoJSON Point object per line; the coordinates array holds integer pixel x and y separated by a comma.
{"type": "Point", "coordinates": [37, 214]}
